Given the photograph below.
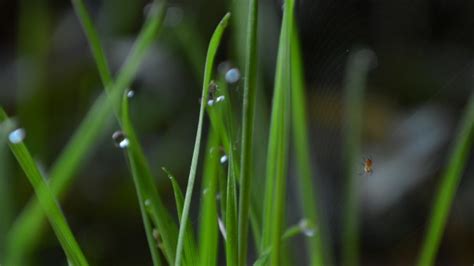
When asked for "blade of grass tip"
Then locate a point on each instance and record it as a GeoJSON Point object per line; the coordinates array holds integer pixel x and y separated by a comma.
{"type": "Point", "coordinates": [231, 244]}
{"type": "Point", "coordinates": [461, 149]}
{"type": "Point", "coordinates": [208, 228]}
{"type": "Point", "coordinates": [211, 53]}
{"type": "Point", "coordinates": [43, 193]}
{"type": "Point", "coordinates": [306, 187]}
{"type": "Point", "coordinates": [355, 82]}
{"type": "Point", "coordinates": [250, 87]}
{"type": "Point", "coordinates": [190, 248]}
{"type": "Point", "coordinates": [24, 235]}
{"type": "Point", "coordinates": [148, 194]}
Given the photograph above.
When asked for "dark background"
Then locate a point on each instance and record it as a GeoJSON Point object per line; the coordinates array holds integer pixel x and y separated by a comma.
{"type": "Point", "coordinates": [414, 100]}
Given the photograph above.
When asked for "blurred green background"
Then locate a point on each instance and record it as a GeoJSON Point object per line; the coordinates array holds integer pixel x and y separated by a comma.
{"type": "Point", "coordinates": [415, 97]}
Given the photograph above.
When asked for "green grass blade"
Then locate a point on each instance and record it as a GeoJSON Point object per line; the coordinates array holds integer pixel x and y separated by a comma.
{"type": "Point", "coordinates": [213, 45]}
{"type": "Point", "coordinates": [208, 228]}
{"type": "Point", "coordinates": [47, 200]}
{"type": "Point", "coordinates": [6, 209]}
{"type": "Point", "coordinates": [149, 199]}
{"type": "Point", "coordinates": [178, 194]}
{"type": "Point", "coordinates": [462, 147]}
{"type": "Point", "coordinates": [231, 245]}
{"type": "Point", "coordinates": [356, 74]}
{"type": "Point", "coordinates": [277, 161]}
{"type": "Point", "coordinates": [24, 235]}
{"type": "Point", "coordinates": [306, 186]}
{"type": "Point", "coordinates": [94, 42]}
{"type": "Point", "coordinates": [250, 87]}
{"type": "Point", "coordinates": [190, 248]}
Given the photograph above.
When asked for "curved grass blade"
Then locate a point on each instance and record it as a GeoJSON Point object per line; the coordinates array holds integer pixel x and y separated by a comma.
{"type": "Point", "coordinates": [190, 249]}
{"type": "Point", "coordinates": [249, 100]}
{"type": "Point", "coordinates": [356, 74]}
{"type": "Point", "coordinates": [23, 237]}
{"type": "Point", "coordinates": [47, 200]}
{"type": "Point", "coordinates": [213, 45]}
{"type": "Point", "coordinates": [208, 237]}
{"type": "Point", "coordinates": [462, 146]}
{"type": "Point", "coordinates": [306, 187]}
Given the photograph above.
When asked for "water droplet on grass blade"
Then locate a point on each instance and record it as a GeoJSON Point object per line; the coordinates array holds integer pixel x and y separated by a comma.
{"type": "Point", "coordinates": [210, 102]}
{"type": "Point", "coordinates": [232, 75]}
{"type": "Point", "coordinates": [17, 136]}
{"type": "Point", "coordinates": [220, 99]}
{"type": "Point", "coordinates": [130, 93]}
{"type": "Point", "coordinates": [307, 228]}
{"type": "Point", "coordinates": [121, 141]}
{"type": "Point", "coordinates": [223, 159]}
{"type": "Point", "coordinates": [147, 202]}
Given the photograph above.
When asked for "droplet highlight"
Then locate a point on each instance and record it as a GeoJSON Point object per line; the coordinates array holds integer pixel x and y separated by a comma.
{"type": "Point", "coordinates": [220, 99]}
{"type": "Point", "coordinates": [223, 159]}
{"type": "Point", "coordinates": [120, 139]}
{"type": "Point", "coordinates": [147, 202]}
{"type": "Point", "coordinates": [17, 136]}
{"type": "Point", "coordinates": [130, 93]}
{"type": "Point", "coordinates": [307, 228]}
{"type": "Point", "coordinates": [232, 75]}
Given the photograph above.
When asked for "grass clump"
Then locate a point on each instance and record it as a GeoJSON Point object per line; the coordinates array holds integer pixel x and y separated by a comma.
{"type": "Point", "coordinates": [228, 204]}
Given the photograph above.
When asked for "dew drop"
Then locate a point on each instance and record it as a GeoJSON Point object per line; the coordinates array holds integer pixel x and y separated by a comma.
{"type": "Point", "coordinates": [120, 140]}
{"type": "Point", "coordinates": [210, 102]}
{"type": "Point", "coordinates": [232, 75]}
{"type": "Point", "coordinates": [147, 203]}
{"type": "Point", "coordinates": [220, 99]}
{"type": "Point", "coordinates": [223, 159]}
{"type": "Point", "coordinates": [307, 228]}
{"type": "Point", "coordinates": [130, 93]}
{"type": "Point", "coordinates": [155, 234]}
{"type": "Point", "coordinates": [17, 136]}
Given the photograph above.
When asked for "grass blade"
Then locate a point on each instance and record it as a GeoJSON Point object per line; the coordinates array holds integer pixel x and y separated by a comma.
{"type": "Point", "coordinates": [190, 249]}
{"type": "Point", "coordinates": [24, 235]}
{"type": "Point", "coordinates": [94, 42]}
{"type": "Point", "coordinates": [356, 74]}
{"type": "Point", "coordinates": [250, 87]}
{"type": "Point", "coordinates": [211, 53]}
{"type": "Point", "coordinates": [231, 245]}
{"type": "Point", "coordinates": [305, 182]}
{"type": "Point", "coordinates": [5, 188]}
{"type": "Point", "coordinates": [149, 199]}
{"type": "Point", "coordinates": [208, 237]}
{"type": "Point", "coordinates": [275, 187]}
{"type": "Point", "coordinates": [46, 199]}
{"type": "Point", "coordinates": [462, 146]}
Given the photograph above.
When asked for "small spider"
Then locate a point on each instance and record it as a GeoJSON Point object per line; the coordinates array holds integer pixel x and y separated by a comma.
{"type": "Point", "coordinates": [368, 166]}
